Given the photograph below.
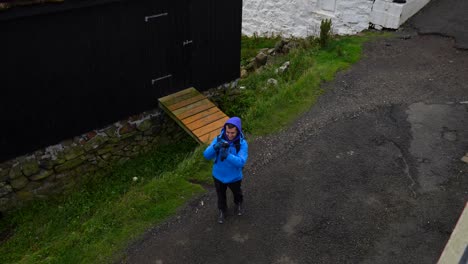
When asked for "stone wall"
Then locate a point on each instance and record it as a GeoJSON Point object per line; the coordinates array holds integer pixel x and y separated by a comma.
{"type": "Point", "coordinates": [57, 168]}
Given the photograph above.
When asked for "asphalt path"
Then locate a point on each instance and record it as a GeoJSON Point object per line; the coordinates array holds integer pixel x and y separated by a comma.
{"type": "Point", "coordinates": [446, 18]}
{"type": "Point", "coordinates": [371, 174]}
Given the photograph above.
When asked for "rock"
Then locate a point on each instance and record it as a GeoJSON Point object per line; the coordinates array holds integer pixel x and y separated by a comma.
{"type": "Point", "coordinates": [283, 68]}
{"type": "Point", "coordinates": [106, 156]}
{"type": "Point", "coordinates": [5, 189]}
{"type": "Point", "coordinates": [69, 165]}
{"type": "Point", "coordinates": [292, 45]}
{"type": "Point", "coordinates": [250, 67]}
{"type": "Point", "coordinates": [243, 73]}
{"type": "Point", "coordinates": [47, 163]}
{"type": "Point", "coordinates": [234, 92]}
{"type": "Point", "coordinates": [272, 82]}
{"type": "Point", "coordinates": [73, 151]}
{"type": "Point", "coordinates": [145, 125]}
{"type": "Point", "coordinates": [261, 59]}
{"type": "Point", "coordinates": [43, 174]}
{"type": "Point", "coordinates": [128, 135]}
{"type": "Point", "coordinates": [279, 45]}
{"type": "Point", "coordinates": [19, 183]}
{"type": "Point", "coordinates": [378, 27]}
{"type": "Point", "coordinates": [106, 149]}
{"type": "Point", "coordinates": [15, 172]}
{"type": "Point", "coordinates": [93, 143]}
{"type": "Point", "coordinates": [111, 131]}
{"type": "Point", "coordinates": [4, 174]}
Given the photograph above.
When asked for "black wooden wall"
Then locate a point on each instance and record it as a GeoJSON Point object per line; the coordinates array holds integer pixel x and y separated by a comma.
{"type": "Point", "coordinates": [81, 65]}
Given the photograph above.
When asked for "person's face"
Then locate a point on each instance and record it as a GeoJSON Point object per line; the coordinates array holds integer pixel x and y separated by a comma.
{"type": "Point", "coordinates": [231, 133]}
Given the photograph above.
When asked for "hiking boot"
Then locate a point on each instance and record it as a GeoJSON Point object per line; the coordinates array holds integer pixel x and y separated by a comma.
{"type": "Point", "coordinates": [221, 217]}
{"type": "Point", "coordinates": [240, 209]}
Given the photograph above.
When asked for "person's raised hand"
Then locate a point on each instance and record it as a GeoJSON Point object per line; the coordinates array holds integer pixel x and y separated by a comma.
{"type": "Point", "coordinates": [218, 145]}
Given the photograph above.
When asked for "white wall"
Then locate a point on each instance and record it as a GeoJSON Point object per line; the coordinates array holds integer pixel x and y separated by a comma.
{"type": "Point", "coordinates": [301, 18]}
{"type": "Point", "coordinates": [392, 15]}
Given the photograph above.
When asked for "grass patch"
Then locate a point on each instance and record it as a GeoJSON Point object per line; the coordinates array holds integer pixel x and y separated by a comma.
{"type": "Point", "coordinates": [96, 223]}
{"type": "Point", "coordinates": [266, 108]}
{"type": "Point", "coordinates": [90, 225]}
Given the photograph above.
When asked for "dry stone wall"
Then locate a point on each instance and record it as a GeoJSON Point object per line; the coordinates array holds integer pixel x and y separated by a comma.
{"type": "Point", "coordinates": [57, 168]}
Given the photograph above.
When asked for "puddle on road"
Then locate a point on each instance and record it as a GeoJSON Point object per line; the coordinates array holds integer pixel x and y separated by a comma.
{"type": "Point", "coordinates": [436, 129]}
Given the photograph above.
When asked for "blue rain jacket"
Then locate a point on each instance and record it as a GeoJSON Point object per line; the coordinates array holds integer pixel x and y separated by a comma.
{"type": "Point", "coordinates": [230, 169]}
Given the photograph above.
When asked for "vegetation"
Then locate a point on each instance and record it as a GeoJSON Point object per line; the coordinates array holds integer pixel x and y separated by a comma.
{"type": "Point", "coordinates": [94, 224]}
{"type": "Point", "coordinates": [325, 32]}
{"type": "Point", "coordinates": [267, 108]}
{"type": "Point", "coordinates": [251, 45]}
{"type": "Point", "coordinates": [91, 225]}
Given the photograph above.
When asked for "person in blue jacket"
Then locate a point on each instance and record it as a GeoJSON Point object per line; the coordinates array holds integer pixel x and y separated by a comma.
{"type": "Point", "coordinates": [229, 151]}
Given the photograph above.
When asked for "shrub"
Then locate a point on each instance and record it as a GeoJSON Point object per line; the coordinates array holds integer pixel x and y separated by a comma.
{"type": "Point", "coordinates": [325, 32]}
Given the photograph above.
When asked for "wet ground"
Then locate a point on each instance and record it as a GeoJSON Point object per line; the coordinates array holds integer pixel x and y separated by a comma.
{"type": "Point", "coordinates": [371, 174]}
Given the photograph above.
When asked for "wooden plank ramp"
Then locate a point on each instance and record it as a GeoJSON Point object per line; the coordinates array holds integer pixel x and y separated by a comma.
{"type": "Point", "coordinates": [197, 115]}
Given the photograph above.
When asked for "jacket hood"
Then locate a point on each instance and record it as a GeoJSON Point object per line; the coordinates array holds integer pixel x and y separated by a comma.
{"type": "Point", "coordinates": [236, 121]}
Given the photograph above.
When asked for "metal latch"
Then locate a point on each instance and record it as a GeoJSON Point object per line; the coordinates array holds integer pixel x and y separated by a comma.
{"type": "Point", "coordinates": [187, 42]}
{"type": "Point", "coordinates": [147, 18]}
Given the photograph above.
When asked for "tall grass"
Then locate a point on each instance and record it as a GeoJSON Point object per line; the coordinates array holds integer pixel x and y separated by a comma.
{"type": "Point", "coordinates": [91, 225]}
{"type": "Point", "coordinates": [265, 108]}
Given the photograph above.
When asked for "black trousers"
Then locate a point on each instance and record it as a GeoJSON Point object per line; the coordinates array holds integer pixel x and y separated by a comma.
{"type": "Point", "coordinates": [221, 192]}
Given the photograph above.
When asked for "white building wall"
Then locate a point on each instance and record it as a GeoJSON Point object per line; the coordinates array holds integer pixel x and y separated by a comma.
{"type": "Point", "coordinates": [301, 18]}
